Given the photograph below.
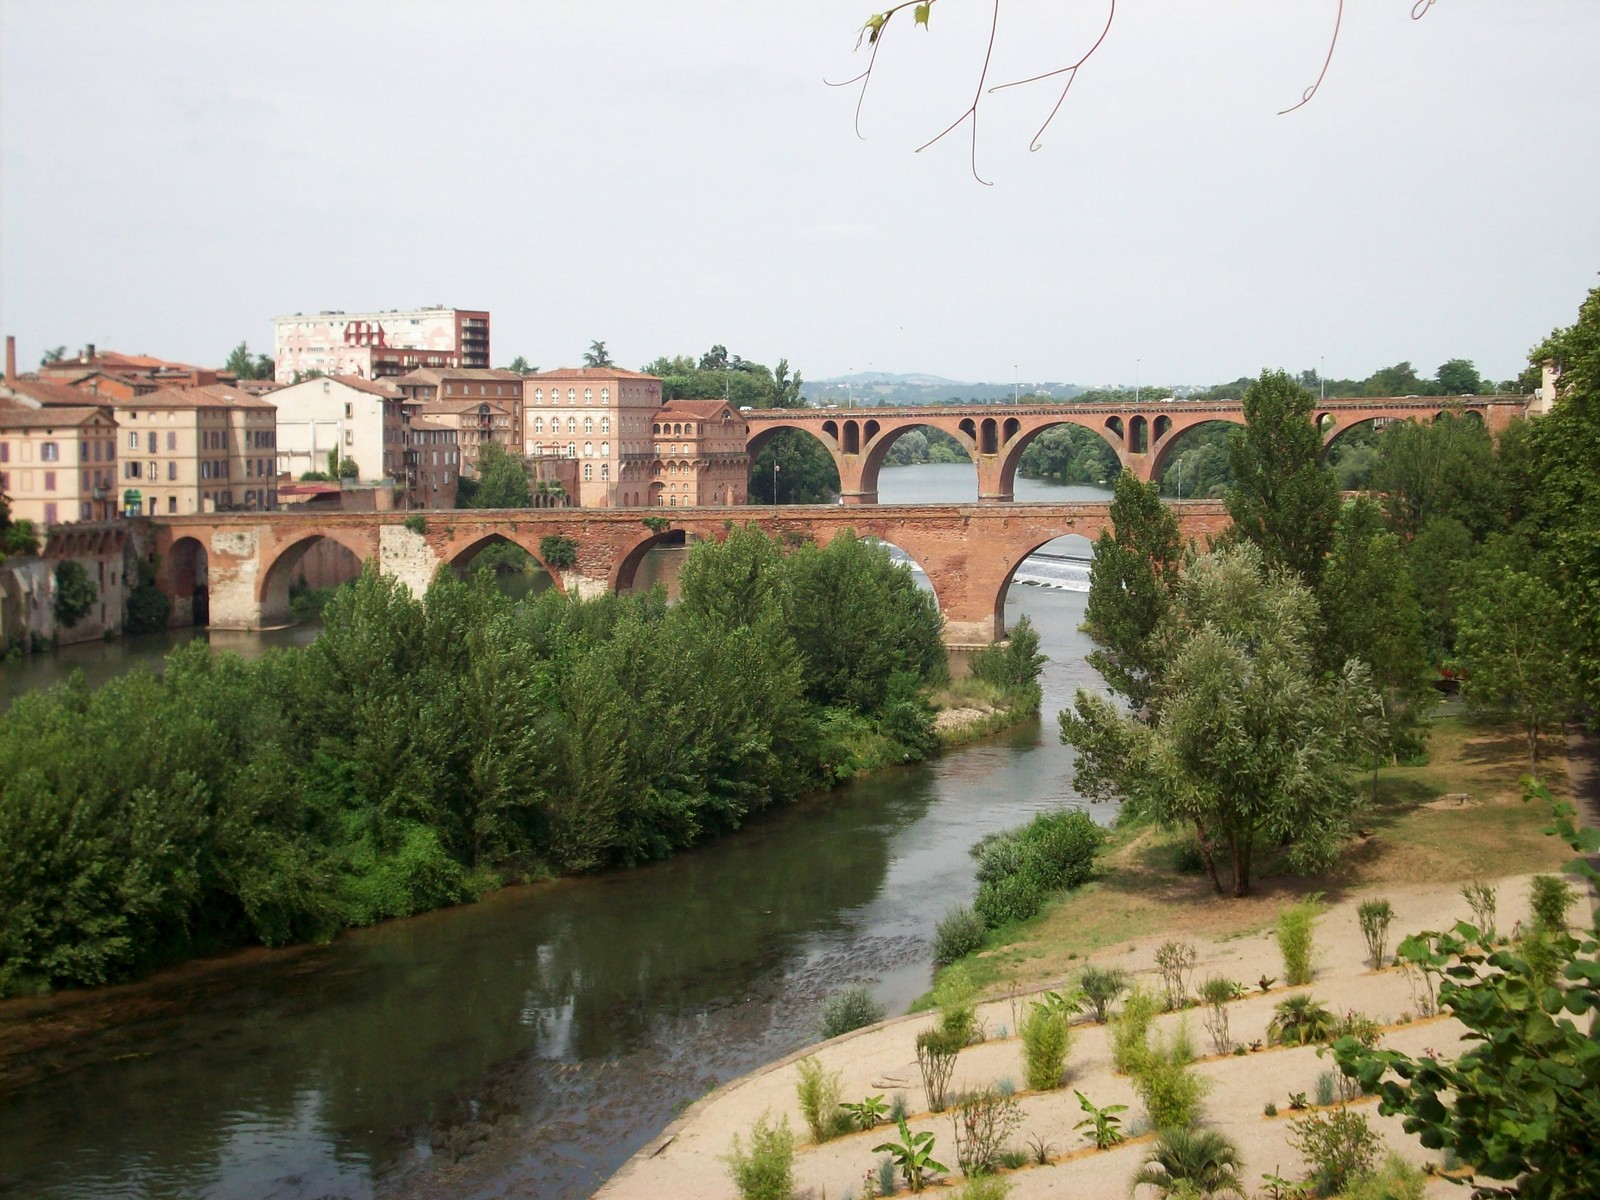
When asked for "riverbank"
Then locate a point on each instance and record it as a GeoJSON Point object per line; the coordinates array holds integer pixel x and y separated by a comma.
{"type": "Point", "coordinates": [1434, 827]}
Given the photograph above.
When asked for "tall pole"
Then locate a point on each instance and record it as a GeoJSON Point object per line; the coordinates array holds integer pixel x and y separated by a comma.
{"type": "Point", "coordinates": [1322, 375]}
{"type": "Point", "coordinates": [1136, 364]}
{"type": "Point", "coordinates": [1016, 385]}
{"type": "Point", "coordinates": [774, 477]}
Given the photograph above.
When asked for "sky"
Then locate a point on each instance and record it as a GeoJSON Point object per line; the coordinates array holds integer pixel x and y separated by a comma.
{"type": "Point", "coordinates": [665, 177]}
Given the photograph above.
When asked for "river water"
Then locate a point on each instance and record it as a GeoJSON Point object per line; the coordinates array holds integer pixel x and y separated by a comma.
{"type": "Point", "coordinates": [525, 1045]}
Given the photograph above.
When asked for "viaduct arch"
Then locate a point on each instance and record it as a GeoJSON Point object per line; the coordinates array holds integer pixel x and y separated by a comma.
{"type": "Point", "coordinates": [969, 552]}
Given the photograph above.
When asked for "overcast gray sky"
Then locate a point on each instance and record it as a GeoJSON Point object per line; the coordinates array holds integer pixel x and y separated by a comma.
{"type": "Point", "coordinates": [665, 176]}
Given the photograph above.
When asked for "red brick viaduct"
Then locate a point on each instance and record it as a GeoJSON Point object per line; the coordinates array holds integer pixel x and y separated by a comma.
{"type": "Point", "coordinates": [1144, 436]}
{"type": "Point", "coordinates": [970, 552]}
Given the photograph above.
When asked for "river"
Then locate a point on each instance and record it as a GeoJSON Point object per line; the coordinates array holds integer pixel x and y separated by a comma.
{"type": "Point", "coordinates": [547, 1031]}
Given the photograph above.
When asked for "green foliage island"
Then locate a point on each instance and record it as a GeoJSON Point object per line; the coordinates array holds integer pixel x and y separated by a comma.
{"type": "Point", "coordinates": [424, 750]}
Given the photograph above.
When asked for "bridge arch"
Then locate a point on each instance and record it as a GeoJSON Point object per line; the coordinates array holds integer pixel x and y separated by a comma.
{"type": "Point", "coordinates": [884, 439]}
{"type": "Point", "coordinates": [188, 575]}
{"type": "Point", "coordinates": [1076, 542]}
{"type": "Point", "coordinates": [625, 565]}
{"type": "Point", "coordinates": [1178, 437]}
{"type": "Point", "coordinates": [907, 559]}
{"type": "Point", "coordinates": [460, 558]}
{"type": "Point", "coordinates": [277, 571]}
{"type": "Point", "coordinates": [1018, 445]}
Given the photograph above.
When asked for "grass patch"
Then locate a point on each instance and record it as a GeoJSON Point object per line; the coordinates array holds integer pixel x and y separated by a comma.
{"type": "Point", "coordinates": [1410, 835]}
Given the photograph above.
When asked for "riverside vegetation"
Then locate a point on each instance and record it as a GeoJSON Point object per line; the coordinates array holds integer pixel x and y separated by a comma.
{"type": "Point", "coordinates": [422, 750]}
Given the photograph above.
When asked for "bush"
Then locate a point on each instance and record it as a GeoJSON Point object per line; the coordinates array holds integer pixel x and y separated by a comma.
{"type": "Point", "coordinates": [1550, 898]}
{"type": "Point", "coordinates": [1046, 1037]}
{"type": "Point", "coordinates": [983, 1121]}
{"type": "Point", "coordinates": [1480, 897]}
{"type": "Point", "coordinates": [1175, 960]}
{"type": "Point", "coordinates": [1010, 899]}
{"type": "Point", "coordinates": [957, 999]}
{"type": "Point", "coordinates": [1100, 987]}
{"type": "Point", "coordinates": [936, 1058]}
{"type": "Point", "coordinates": [146, 609]}
{"type": "Point", "coordinates": [1395, 1180]}
{"type": "Point", "coordinates": [853, 1008]}
{"type": "Point", "coordinates": [1295, 941]}
{"type": "Point", "coordinates": [1185, 1163]}
{"type": "Point", "coordinates": [1171, 1092]}
{"type": "Point", "coordinates": [1338, 1146]}
{"type": "Point", "coordinates": [416, 523]}
{"type": "Point", "coordinates": [75, 595]}
{"type": "Point", "coordinates": [819, 1092]}
{"type": "Point", "coordinates": [985, 1187]}
{"type": "Point", "coordinates": [1130, 1030]}
{"type": "Point", "coordinates": [558, 553]}
{"type": "Point", "coordinates": [959, 934]}
{"type": "Point", "coordinates": [766, 1172]}
{"type": "Point", "coordinates": [1301, 1021]}
{"type": "Point", "coordinates": [1375, 917]}
{"type": "Point", "coordinates": [1019, 869]}
{"type": "Point", "coordinates": [1217, 993]}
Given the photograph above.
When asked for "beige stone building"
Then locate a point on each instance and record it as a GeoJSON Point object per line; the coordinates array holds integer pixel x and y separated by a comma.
{"type": "Point", "coordinates": [58, 464]}
{"type": "Point", "coordinates": [600, 417]}
{"type": "Point", "coordinates": [363, 420]}
{"type": "Point", "coordinates": [701, 454]}
{"type": "Point", "coordinates": [181, 453]}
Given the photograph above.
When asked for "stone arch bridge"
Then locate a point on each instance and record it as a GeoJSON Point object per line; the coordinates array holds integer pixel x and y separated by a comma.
{"type": "Point", "coordinates": [969, 552]}
{"type": "Point", "coordinates": [1143, 436]}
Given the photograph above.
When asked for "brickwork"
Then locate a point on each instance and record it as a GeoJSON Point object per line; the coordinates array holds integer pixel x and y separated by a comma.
{"type": "Point", "coordinates": [969, 552]}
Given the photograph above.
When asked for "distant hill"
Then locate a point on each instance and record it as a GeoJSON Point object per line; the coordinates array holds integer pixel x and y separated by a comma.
{"type": "Point", "coordinates": [868, 389]}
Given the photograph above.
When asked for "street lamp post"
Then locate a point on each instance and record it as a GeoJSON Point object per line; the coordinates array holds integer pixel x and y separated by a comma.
{"type": "Point", "coordinates": [1322, 374]}
{"type": "Point", "coordinates": [1016, 385]}
{"type": "Point", "coordinates": [775, 478]}
{"type": "Point", "coordinates": [1137, 363]}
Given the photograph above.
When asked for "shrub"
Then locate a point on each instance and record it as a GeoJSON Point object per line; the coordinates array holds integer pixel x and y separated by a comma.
{"type": "Point", "coordinates": [1395, 1180]}
{"type": "Point", "coordinates": [1185, 1162]}
{"type": "Point", "coordinates": [913, 1155]}
{"type": "Point", "coordinates": [1016, 664]}
{"type": "Point", "coordinates": [819, 1091]}
{"type": "Point", "coordinates": [1300, 1021]}
{"type": "Point", "coordinates": [1100, 987]}
{"type": "Point", "coordinates": [1217, 993]}
{"type": "Point", "coordinates": [1295, 939]}
{"type": "Point", "coordinates": [1480, 897]}
{"type": "Point", "coordinates": [959, 934]}
{"type": "Point", "coordinates": [1008, 899]}
{"type": "Point", "coordinates": [1550, 898]}
{"type": "Point", "coordinates": [558, 553]}
{"type": "Point", "coordinates": [983, 1121]}
{"type": "Point", "coordinates": [766, 1172]}
{"type": "Point", "coordinates": [1171, 1092]}
{"type": "Point", "coordinates": [957, 999]}
{"type": "Point", "coordinates": [416, 523]}
{"type": "Point", "coordinates": [883, 1176]}
{"type": "Point", "coordinates": [1130, 1030]}
{"type": "Point", "coordinates": [985, 1187]}
{"type": "Point", "coordinates": [898, 1108]}
{"type": "Point", "coordinates": [1338, 1146]}
{"type": "Point", "coordinates": [1019, 869]}
{"type": "Point", "coordinates": [1325, 1088]}
{"type": "Point", "coordinates": [75, 595]}
{"type": "Point", "coordinates": [936, 1058]}
{"type": "Point", "coordinates": [1175, 960]}
{"type": "Point", "coordinates": [1376, 916]}
{"type": "Point", "coordinates": [867, 1112]}
{"type": "Point", "coordinates": [1271, 1109]}
{"type": "Point", "coordinates": [1046, 1037]}
{"type": "Point", "coordinates": [853, 1008]}
{"type": "Point", "coordinates": [1105, 1127]}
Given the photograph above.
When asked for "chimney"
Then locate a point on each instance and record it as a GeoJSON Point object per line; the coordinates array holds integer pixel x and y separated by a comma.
{"type": "Point", "coordinates": [87, 355]}
{"type": "Point", "coordinates": [11, 360]}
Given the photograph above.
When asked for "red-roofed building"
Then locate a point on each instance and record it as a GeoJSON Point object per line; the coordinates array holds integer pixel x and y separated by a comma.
{"type": "Point", "coordinates": [701, 454]}
{"type": "Point", "coordinates": [599, 416]}
{"type": "Point", "coordinates": [58, 464]}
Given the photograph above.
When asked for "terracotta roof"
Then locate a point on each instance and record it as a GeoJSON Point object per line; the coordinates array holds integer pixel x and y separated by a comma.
{"type": "Point", "coordinates": [375, 387]}
{"type": "Point", "coordinates": [435, 375]}
{"type": "Point", "coordinates": [55, 416]}
{"type": "Point", "coordinates": [235, 398]}
{"type": "Point", "coordinates": [699, 409]}
{"type": "Point", "coordinates": [456, 404]}
{"type": "Point", "coordinates": [48, 394]}
{"type": "Point", "coordinates": [172, 397]}
{"type": "Point", "coordinates": [431, 426]}
{"type": "Point", "coordinates": [593, 373]}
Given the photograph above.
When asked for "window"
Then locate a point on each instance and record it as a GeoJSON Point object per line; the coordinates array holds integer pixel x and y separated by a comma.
{"type": "Point", "coordinates": [49, 481]}
{"type": "Point", "coordinates": [538, 395]}
{"type": "Point", "coordinates": [588, 424]}
{"type": "Point", "coordinates": [151, 445]}
{"type": "Point", "coordinates": [172, 470]}
{"type": "Point", "coordinates": [605, 449]}
{"type": "Point", "coordinates": [150, 470]}
{"type": "Point", "coordinates": [588, 472]}
{"type": "Point", "coordinates": [133, 439]}
{"type": "Point", "coordinates": [85, 513]}
{"type": "Point", "coordinates": [49, 452]}
{"type": "Point", "coordinates": [572, 424]}
{"type": "Point", "coordinates": [605, 424]}
{"type": "Point", "coordinates": [538, 449]}
{"type": "Point", "coordinates": [572, 450]}
{"type": "Point", "coordinates": [172, 504]}
{"type": "Point", "coordinates": [605, 395]}
{"type": "Point", "coordinates": [572, 396]}
{"type": "Point", "coordinates": [588, 395]}
{"type": "Point", "coordinates": [5, 451]}
{"type": "Point", "coordinates": [588, 449]}
{"type": "Point", "coordinates": [172, 440]}
{"type": "Point", "coordinates": [50, 513]}
{"type": "Point", "coordinates": [538, 424]}
{"type": "Point", "coordinates": [605, 470]}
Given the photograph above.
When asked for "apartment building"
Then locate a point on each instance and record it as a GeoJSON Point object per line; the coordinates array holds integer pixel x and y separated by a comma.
{"type": "Point", "coordinates": [58, 464]}
{"type": "Point", "coordinates": [252, 447]}
{"type": "Point", "coordinates": [428, 384]}
{"type": "Point", "coordinates": [377, 345]}
{"type": "Point", "coordinates": [600, 416]}
{"type": "Point", "coordinates": [178, 453]}
{"type": "Point", "coordinates": [701, 454]}
{"type": "Point", "coordinates": [476, 422]}
{"type": "Point", "coordinates": [363, 420]}
{"type": "Point", "coordinates": [433, 464]}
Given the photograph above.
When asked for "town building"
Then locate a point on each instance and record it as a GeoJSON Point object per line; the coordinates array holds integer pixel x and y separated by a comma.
{"type": "Point", "coordinates": [117, 370]}
{"type": "Point", "coordinates": [476, 423]}
{"type": "Point", "coordinates": [58, 463]}
{"type": "Point", "coordinates": [433, 464]}
{"type": "Point", "coordinates": [345, 417]}
{"type": "Point", "coordinates": [377, 345]}
{"type": "Point", "coordinates": [601, 417]}
{"type": "Point", "coordinates": [428, 384]}
{"type": "Point", "coordinates": [189, 450]}
{"type": "Point", "coordinates": [701, 454]}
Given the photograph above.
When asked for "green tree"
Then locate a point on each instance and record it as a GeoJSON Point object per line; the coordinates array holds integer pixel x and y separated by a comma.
{"type": "Point", "coordinates": [75, 594]}
{"type": "Point", "coordinates": [242, 364]}
{"type": "Point", "coordinates": [1521, 1103]}
{"type": "Point", "coordinates": [1458, 377]}
{"type": "Point", "coordinates": [596, 356]}
{"type": "Point", "coordinates": [1135, 571]}
{"type": "Point", "coordinates": [16, 537]}
{"type": "Point", "coordinates": [53, 355]}
{"type": "Point", "coordinates": [520, 365]}
{"type": "Point", "coordinates": [348, 469]}
{"type": "Point", "coordinates": [1252, 742]}
{"type": "Point", "coordinates": [1443, 468]}
{"type": "Point", "coordinates": [1192, 1162]}
{"type": "Point", "coordinates": [1514, 642]}
{"type": "Point", "coordinates": [1283, 499]}
{"type": "Point", "coordinates": [1398, 380]}
{"type": "Point", "coordinates": [502, 481]}
{"type": "Point", "coordinates": [1371, 614]}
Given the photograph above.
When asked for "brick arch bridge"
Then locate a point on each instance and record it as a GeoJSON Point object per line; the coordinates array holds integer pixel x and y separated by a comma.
{"type": "Point", "coordinates": [969, 552]}
{"type": "Point", "coordinates": [1142, 436]}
